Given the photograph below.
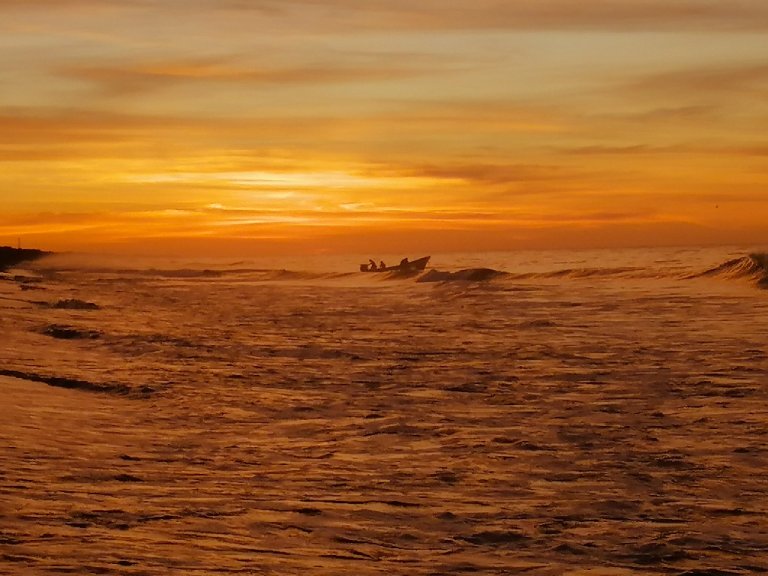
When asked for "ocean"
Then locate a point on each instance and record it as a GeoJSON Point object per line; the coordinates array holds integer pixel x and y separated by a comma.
{"type": "Point", "coordinates": [584, 412]}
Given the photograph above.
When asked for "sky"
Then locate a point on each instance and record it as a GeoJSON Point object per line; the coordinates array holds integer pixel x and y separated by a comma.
{"type": "Point", "coordinates": [329, 126]}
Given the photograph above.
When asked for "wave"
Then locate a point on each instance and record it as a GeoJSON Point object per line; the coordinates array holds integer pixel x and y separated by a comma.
{"type": "Point", "coordinates": [753, 267]}
{"type": "Point", "coordinates": [148, 272]}
{"type": "Point", "coordinates": [575, 273]}
{"type": "Point", "coordinates": [466, 275]}
{"type": "Point", "coordinates": [120, 274]}
{"type": "Point", "coordinates": [82, 385]}
{"type": "Point", "coordinates": [485, 274]}
{"type": "Point", "coordinates": [267, 275]}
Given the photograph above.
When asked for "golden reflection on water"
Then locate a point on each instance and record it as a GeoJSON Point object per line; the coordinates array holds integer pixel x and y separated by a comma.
{"type": "Point", "coordinates": [339, 424]}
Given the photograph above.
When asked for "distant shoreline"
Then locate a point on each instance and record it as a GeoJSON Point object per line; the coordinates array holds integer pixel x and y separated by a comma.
{"type": "Point", "coordinates": [10, 257]}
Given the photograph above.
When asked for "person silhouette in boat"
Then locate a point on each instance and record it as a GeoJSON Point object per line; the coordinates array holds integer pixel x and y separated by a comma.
{"type": "Point", "coordinates": [371, 265]}
{"type": "Point", "coordinates": [382, 266]}
{"type": "Point", "coordinates": [404, 264]}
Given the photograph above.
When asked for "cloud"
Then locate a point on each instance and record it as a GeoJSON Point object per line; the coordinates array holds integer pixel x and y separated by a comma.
{"type": "Point", "coordinates": [131, 78]}
{"type": "Point", "coordinates": [45, 4]}
{"type": "Point", "coordinates": [68, 5]}
{"type": "Point", "coordinates": [128, 79]}
{"type": "Point", "coordinates": [36, 135]}
{"type": "Point", "coordinates": [140, 226]}
{"type": "Point", "coordinates": [352, 16]}
{"type": "Point", "coordinates": [758, 149]}
{"type": "Point", "coordinates": [492, 173]}
{"type": "Point", "coordinates": [609, 15]}
{"type": "Point", "coordinates": [665, 114]}
{"type": "Point", "coordinates": [248, 143]}
{"type": "Point", "coordinates": [706, 81]}
{"type": "Point", "coordinates": [621, 150]}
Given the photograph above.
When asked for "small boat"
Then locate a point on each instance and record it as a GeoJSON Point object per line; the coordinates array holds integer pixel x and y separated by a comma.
{"type": "Point", "coordinates": [410, 266]}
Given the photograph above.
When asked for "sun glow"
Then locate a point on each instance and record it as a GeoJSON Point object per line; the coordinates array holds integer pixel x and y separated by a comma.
{"type": "Point", "coordinates": [491, 127]}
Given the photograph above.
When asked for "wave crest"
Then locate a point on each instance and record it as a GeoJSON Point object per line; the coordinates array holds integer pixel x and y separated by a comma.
{"type": "Point", "coordinates": [753, 267]}
{"type": "Point", "coordinates": [466, 275]}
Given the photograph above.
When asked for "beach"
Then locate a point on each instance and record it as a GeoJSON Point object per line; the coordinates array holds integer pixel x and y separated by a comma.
{"type": "Point", "coordinates": [576, 413]}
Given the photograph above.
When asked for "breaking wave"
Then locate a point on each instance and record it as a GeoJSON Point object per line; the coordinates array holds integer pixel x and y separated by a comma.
{"type": "Point", "coordinates": [753, 267]}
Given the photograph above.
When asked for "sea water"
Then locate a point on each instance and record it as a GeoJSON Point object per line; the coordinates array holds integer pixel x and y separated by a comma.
{"type": "Point", "coordinates": [547, 412]}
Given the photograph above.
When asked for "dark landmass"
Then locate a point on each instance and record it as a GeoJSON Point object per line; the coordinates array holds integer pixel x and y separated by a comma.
{"type": "Point", "coordinates": [10, 257]}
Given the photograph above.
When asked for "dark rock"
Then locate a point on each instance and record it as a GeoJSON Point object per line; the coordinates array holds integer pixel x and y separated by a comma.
{"type": "Point", "coordinates": [69, 333]}
{"type": "Point", "coordinates": [659, 552]}
{"type": "Point", "coordinates": [494, 537]}
{"type": "Point", "coordinates": [447, 477]}
{"type": "Point", "coordinates": [10, 257]}
{"type": "Point", "coordinates": [128, 478]}
{"type": "Point", "coordinates": [309, 511]}
{"type": "Point", "coordinates": [708, 572]}
{"type": "Point", "coordinates": [75, 304]}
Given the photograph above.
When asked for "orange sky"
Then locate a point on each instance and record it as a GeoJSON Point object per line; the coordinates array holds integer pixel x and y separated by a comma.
{"type": "Point", "coordinates": [295, 126]}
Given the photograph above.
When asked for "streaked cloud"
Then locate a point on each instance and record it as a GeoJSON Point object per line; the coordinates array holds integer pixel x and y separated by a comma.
{"type": "Point", "coordinates": [146, 76]}
{"type": "Point", "coordinates": [708, 80]}
{"type": "Point", "coordinates": [621, 15]}
{"type": "Point", "coordinates": [629, 149]}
